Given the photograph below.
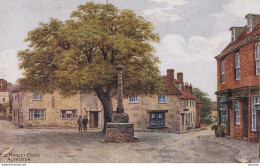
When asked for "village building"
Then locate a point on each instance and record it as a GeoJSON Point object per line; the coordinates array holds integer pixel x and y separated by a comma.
{"type": "Point", "coordinates": [52, 110]}
{"type": "Point", "coordinates": [238, 81]}
{"type": "Point", "coordinates": [175, 110]}
{"type": "Point", "coordinates": [5, 95]}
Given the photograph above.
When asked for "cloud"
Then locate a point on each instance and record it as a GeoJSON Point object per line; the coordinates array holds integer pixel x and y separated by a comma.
{"type": "Point", "coordinates": [9, 66]}
{"type": "Point", "coordinates": [160, 15]}
{"type": "Point", "coordinates": [194, 57]}
{"type": "Point", "coordinates": [172, 3]}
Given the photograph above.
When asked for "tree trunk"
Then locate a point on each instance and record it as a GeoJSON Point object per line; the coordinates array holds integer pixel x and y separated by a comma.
{"type": "Point", "coordinates": [106, 102]}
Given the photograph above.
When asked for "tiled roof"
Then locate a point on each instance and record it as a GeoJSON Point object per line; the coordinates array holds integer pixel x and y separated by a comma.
{"type": "Point", "coordinates": [243, 36]}
{"type": "Point", "coordinates": [187, 95]}
{"type": "Point", "coordinates": [171, 89]}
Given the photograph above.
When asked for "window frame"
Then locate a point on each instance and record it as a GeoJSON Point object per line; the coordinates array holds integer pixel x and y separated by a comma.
{"type": "Point", "coordinates": [156, 116]}
{"type": "Point", "coordinates": [249, 24]}
{"type": "Point", "coordinates": [237, 112]}
{"type": "Point", "coordinates": [73, 110]}
{"type": "Point", "coordinates": [36, 96]}
{"type": "Point", "coordinates": [162, 100]}
{"type": "Point", "coordinates": [255, 100]}
{"type": "Point", "coordinates": [257, 50]}
{"type": "Point", "coordinates": [237, 66]}
{"type": "Point", "coordinates": [16, 97]}
{"type": "Point", "coordinates": [3, 99]}
{"type": "Point", "coordinates": [222, 70]}
{"type": "Point", "coordinates": [233, 35]}
{"type": "Point", "coordinates": [32, 111]}
{"type": "Point", "coordinates": [133, 99]}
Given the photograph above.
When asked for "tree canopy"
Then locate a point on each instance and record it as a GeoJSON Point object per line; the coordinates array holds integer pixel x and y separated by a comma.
{"type": "Point", "coordinates": [81, 53]}
{"type": "Point", "coordinates": [206, 105]}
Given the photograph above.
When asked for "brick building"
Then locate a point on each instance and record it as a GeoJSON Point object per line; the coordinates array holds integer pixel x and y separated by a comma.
{"type": "Point", "coordinates": [238, 81]}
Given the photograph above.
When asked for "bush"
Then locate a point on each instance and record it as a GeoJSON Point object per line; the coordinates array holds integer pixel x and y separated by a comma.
{"type": "Point", "coordinates": [221, 128]}
{"type": "Point", "coordinates": [206, 121]}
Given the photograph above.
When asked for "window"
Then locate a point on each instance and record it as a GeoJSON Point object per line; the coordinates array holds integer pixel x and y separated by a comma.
{"type": "Point", "coordinates": [68, 114]}
{"type": "Point", "coordinates": [3, 99]}
{"type": "Point", "coordinates": [37, 96]}
{"type": "Point", "coordinates": [257, 59]}
{"type": "Point", "coordinates": [157, 119]}
{"type": "Point", "coordinates": [237, 64]}
{"type": "Point", "coordinates": [255, 100]}
{"type": "Point", "coordinates": [233, 37]}
{"type": "Point", "coordinates": [237, 111]}
{"type": "Point", "coordinates": [190, 102]}
{"type": "Point", "coordinates": [187, 102]}
{"type": "Point", "coordinates": [162, 99]}
{"type": "Point", "coordinates": [222, 72]}
{"type": "Point", "coordinates": [193, 102]}
{"type": "Point", "coordinates": [223, 117]}
{"type": "Point", "coordinates": [249, 24]}
{"type": "Point", "coordinates": [37, 113]}
{"type": "Point", "coordinates": [222, 109]}
{"type": "Point", "coordinates": [133, 99]}
{"type": "Point", "coordinates": [16, 96]}
{"type": "Point", "coordinates": [193, 116]}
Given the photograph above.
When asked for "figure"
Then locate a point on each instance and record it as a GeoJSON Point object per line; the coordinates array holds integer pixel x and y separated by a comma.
{"type": "Point", "coordinates": [80, 123]}
{"type": "Point", "coordinates": [85, 123]}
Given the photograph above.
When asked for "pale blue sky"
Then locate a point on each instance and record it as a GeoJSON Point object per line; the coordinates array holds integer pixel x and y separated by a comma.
{"type": "Point", "coordinates": [192, 32]}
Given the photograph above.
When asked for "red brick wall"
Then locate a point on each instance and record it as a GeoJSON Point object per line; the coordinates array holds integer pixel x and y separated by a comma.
{"type": "Point", "coordinates": [247, 69]}
{"type": "Point", "coordinates": [237, 128]}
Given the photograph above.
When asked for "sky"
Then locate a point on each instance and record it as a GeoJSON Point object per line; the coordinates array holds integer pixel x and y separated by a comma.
{"type": "Point", "coordinates": [192, 32]}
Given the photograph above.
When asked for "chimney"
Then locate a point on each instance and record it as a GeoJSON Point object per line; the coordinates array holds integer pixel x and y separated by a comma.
{"type": "Point", "coordinates": [170, 76]}
{"type": "Point", "coordinates": [180, 77]}
{"type": "Point", "coordinates": [186, 87]}
{"type": "Point", "coordinates": [190, 88]}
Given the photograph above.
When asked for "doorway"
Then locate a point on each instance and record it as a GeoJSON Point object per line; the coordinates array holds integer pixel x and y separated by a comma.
{"type": "Point", "coordinates": [230, 115]}
{"type": "Point", "coordinates": [20, 117]}
{"type": "Point", "coordinates": [93, 121]}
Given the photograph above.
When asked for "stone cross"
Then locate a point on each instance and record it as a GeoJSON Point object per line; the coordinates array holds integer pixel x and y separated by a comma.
{"type": "Point", "coordinates": [120, 108]}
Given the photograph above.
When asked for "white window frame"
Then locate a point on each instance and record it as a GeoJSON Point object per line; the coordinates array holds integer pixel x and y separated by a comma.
{"type": "Point", "coordinates": [222, 68]}
{"type": "Point", "coordinates": [237, 112]}
{"type": "Point", "coordinates": [249, 24]}
{"type": "Point", "coordinates": [257, 50]}
{"type": "Point", "coordinates": [237, 66]}
{"type": "Point", "coordinates": [40, 112]}
{"type": "Point", "coordinates": [37, 96]}
{"type": "Point", "coordinates": [69, 110]}
{"type": "Point", "coordinates": [16, 97]}
{"type": "Point", "coordinates": [133, 99]}
{"type": "Point", "coordinates": [255, 100]}
{"type": "Point", "coordinates": [233, 35]}
{"type": "Point", "coordinates": [162, 99]}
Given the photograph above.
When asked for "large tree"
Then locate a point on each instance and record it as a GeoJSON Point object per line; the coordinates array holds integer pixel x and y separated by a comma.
{"type": "Point", "coordinates": [206, 103]}
{"type": "Point", "coordinates": [80, 54]}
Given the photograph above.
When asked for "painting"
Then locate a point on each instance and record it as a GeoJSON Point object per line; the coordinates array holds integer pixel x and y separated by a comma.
{"type": "Point", "coordinates": [129, 81]}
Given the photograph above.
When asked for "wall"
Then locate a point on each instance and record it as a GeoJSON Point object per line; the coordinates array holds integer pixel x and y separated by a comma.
{"type": "Point", "coordinates": [140, 117]}
{"type": "Point", "coordinates": [247, 69]}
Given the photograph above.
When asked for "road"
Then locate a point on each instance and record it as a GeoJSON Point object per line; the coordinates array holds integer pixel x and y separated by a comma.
{"type": "Point", "coordinates": [67, 145]}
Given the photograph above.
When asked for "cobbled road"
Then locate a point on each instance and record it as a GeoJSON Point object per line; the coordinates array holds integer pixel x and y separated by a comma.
{"type": "Point", "coordinates": [67, 145]}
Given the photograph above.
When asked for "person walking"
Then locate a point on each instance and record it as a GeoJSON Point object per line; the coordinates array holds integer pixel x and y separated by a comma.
{"type": "Point", "coordinates": [80, 123]}
{"type": "Point", "coordinates": [85, 123]}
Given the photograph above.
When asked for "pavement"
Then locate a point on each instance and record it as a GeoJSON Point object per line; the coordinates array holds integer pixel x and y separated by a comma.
{"type": "Point", "coordinates": [59, 145]}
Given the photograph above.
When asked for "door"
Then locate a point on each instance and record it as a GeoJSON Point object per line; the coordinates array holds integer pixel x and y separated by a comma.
{"type": "Point", "coordinates": [20, 117]}
{"type": "Point", "coordinates": [93, 121]}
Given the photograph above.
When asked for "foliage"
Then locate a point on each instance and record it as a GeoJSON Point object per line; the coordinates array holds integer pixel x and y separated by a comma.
{"type": "Point", "coordinates": [4, 107]}
{"type": "Point", "coordinates": [206, 121]}
{"type": "Point", "coordinates": [81, 53]}
{"type": "Point", "coordinates": [214, 127]}
{"type": "Point", "coordinates": [206, 105]}
{"type": "Point", "coordinates": [221, 128]}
